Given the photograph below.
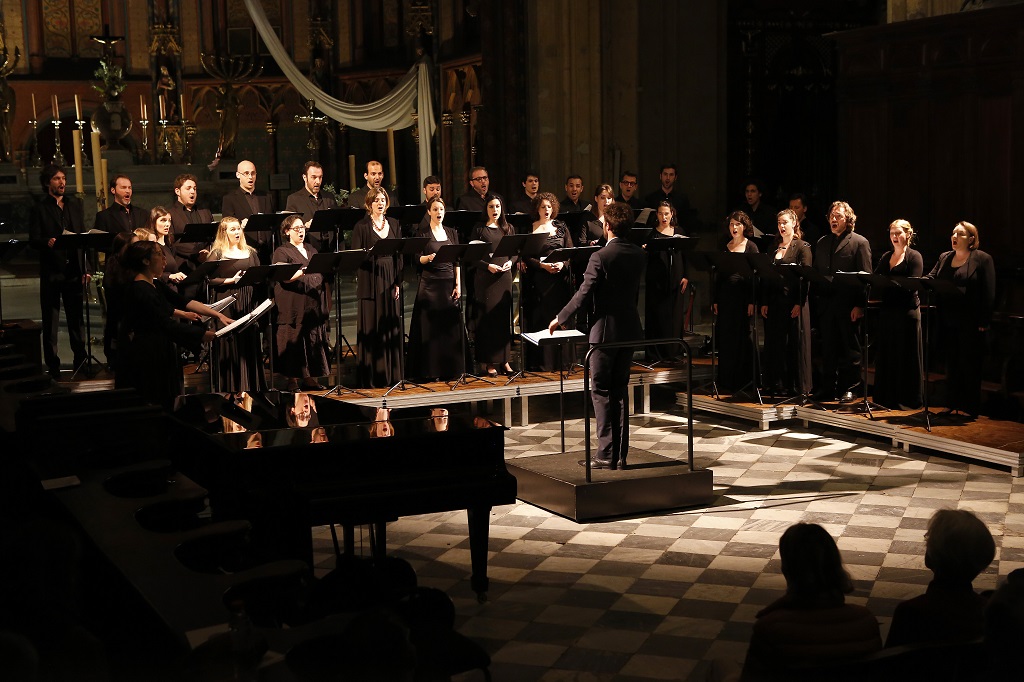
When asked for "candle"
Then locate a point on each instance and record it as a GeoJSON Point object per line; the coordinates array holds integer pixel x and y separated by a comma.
{"type": "Point", "coordinates": [181, 106]}
{"type": "Point", "coordinates": [352, 171]}
{"type": "Point", "coordinates": [145, 112]}
{"type": "Point", "coordinates": [78, 109]}
{"type": "Point", "coordinates": [97, 168]}
{"type": "Point", "coordinates": [142, 108]}
{"type": "Point", "coordinates": [391, 156]}
{"type": "Point", "coordinates": [35, 116]}
{"type": "Point", "coordinates": [106, 195]}
{"type": "Point", "coordinates": [163, 113]}
{"type": "Point", "coordinates": [76, 139]}
{"type": "Point", "coordinates": [56, 108]}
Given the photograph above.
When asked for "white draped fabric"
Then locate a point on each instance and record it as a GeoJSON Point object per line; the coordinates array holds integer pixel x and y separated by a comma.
{"type": "Point", "coordinates": [412, 93]}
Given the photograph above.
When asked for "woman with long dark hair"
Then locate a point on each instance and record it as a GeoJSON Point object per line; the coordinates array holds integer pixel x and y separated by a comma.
{"type": "Point", "coordinates": [493, 293]}
{"type": "Point", "coordinates": [546, 289]}
{"type": "Point", "coordinates": [666, 283]}
{"type": "Point", "coordinates": [787, 320]}
{"type": "Point", "coordinates": [733, 309]}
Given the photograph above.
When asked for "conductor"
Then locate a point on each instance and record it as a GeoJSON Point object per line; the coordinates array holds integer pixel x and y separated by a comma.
{"type": "Point", "coordinates": [611, 285]}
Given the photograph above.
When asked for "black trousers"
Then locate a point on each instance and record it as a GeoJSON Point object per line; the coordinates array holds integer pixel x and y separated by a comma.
{"type": "Point", "coordinates": [609, 374]}
{"type": "Point", "coordinates": [50, 295]}
{"type": "Point", "coordinates": [840, 348]}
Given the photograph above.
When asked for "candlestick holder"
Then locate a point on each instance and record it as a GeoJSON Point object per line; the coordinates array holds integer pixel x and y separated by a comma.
{"type": "Point", "coordinates": [35, 159]}
{"type": "Point", "coordinates": [144, 154]}
{"type": "Point", "coordinates": [58, 155]}
{"type": "Point", "coordinates": [165, 156]}
{"type": "Point", "coordinates": [81, 132]}
{"type": "Point", "coordinates": [189, 133]}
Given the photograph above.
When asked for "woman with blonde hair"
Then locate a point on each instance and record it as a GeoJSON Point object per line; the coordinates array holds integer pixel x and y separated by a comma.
{"type": "Point", "coordinates": [238, 357]}
{"type": "Point", "coordinates": [898, 366]}
{"type": "Point", "coordinates": [787, 320]}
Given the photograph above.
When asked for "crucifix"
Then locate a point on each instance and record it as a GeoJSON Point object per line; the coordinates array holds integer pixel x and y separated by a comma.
{"type": "Point", "coordinates": [313, 124]}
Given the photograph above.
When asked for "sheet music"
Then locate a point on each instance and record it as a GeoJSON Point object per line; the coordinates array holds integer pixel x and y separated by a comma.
{"type": "Point", "coordinates": [245, 319]}
{"type": "Point", "coordinates": [220, 305]}
{"type": "Point", "coordinates": [559, 336]}
{"type": "Point", "coordinates": [644, 215]}
{"type": "Point", "coordinates": [92, 231]}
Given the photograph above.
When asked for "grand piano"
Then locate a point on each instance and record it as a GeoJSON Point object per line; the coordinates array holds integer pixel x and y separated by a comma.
{"type": "Point", "coordinates": [368, 471]}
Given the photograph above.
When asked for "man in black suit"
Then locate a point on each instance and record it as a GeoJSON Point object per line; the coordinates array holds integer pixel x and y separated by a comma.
{"type": "Point", "coordinates": [244, 200]}
{"type": "Point", "coordinates": [123, 216]}
{"type": "Point", "coordinates": [62, 274]}
{"type": "Point", "coordinates": [309, 200]}
{"type": "Point", "coordinates": [573, 201]}
{"type": "Point", "coordinates": [612, 285]}
{"type": "Point", "coordinates": [840, 308]}
{"type": "Point", "coordinates": [479, 193]}
{"type": "Point", "coordinates": [431, 191]}
{"type": "Point", "coordinates": [627, 190]}
{"type": "Point", "coordinates": [184, 212]}
{"type": "Point", "coordinates": [668, 174]}
{"type": "Point", "coordinates": [531, 187]}
{"type": "Point", "coordinates": [374, 176]}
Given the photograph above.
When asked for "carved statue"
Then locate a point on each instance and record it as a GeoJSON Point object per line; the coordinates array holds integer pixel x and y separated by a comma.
{"type": "Point", "coordinates": [7, 102]}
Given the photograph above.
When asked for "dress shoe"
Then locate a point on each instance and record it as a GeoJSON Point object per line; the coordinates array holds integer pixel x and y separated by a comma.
{"type": "Point", "coordinates": [847, 398]}
{"type": "Point", "coordinates": [598, 464]}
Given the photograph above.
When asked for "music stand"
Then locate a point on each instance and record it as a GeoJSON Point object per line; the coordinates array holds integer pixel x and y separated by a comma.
{"type": "Point", "coordinates": [394, 247]}
{"type": "Point", "coordinates": [8, 249]}
{"type": "Point", "coordinates": [522, 223]}
{"type": "Point", "coordinates": [558, 338]}
{"type": "Point", "coordinates": [728, 263]}
{"type": "Point", "coordinates": [702, 261]}
{"type": "Point", "coordinates": [863, 280]}
{"type": "Point", "coordinates": [639, 235]}
{"type": "Point", "coordinates": [266, 222]}
{"type": "Point", "coordinates": [675, 247]}
{"type": "Point", "coordinates": [801, 273]}
{"type": "Point", "coordinates": [410, 214]}
{"type": "Point", "coordinates": [575, 220]}
{"type": "Point", "coordinates": [930, 287]}
{"type": "Point", "coordinates": [462, 222]}
{"type": "Point", "coordinates": [334, 264]}
{"type": "Point", "coordinates": [82, 242]}
{"type": "Point", "coordinates": [517, 247]}
{"type": "Point", "coordinates": [198, 233]}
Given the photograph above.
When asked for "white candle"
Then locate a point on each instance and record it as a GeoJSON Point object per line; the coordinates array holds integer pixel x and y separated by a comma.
{"type": "Point", "coordinates": [76, 139]}
{"type": "Point", "coordinates": [56, 108]}
{"type": "Point", "coordinates": [391, 156]}
{"type": "Point", "coordinates": [35, 116]}
{"type": "Point", "coordinates": [163, 113]}
{"type": "Point", "coordinates": [78, 109]}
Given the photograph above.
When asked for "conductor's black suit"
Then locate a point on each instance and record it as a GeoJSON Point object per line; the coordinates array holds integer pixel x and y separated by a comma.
{"type": "Point", "coordinates": [611, 285]}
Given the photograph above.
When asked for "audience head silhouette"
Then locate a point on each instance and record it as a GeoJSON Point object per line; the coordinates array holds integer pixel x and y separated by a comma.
{"type": "Point", "coordinates": [812, 565]}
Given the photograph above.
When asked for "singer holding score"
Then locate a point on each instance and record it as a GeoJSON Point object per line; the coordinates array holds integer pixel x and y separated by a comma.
{"type": "Point", "coordinates": [493, 294]}
{"type": "Point", "coordinates": [302, 311]}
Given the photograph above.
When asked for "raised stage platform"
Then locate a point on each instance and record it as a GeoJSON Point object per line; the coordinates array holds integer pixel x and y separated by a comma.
{"type": "Point", "coordinates": [988, 440]}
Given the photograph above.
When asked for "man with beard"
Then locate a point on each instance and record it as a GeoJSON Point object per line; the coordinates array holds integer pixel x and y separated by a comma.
{"type": "Point", "coordinates": [374, 177]}
{"type": "Point", "coordinates": [479, 192]}
{"type": "Point", "coordinates": [123, 216]}
{"type": "Point", "coordinates": [309, 200]}
{"type": "Point", "coordinates": [62, 274]}
{"type": "Point", "coordinates": [571, 202]}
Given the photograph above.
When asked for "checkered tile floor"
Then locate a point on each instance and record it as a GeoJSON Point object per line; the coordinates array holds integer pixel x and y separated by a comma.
{"type": "Point", "coordinates": [657, 598]}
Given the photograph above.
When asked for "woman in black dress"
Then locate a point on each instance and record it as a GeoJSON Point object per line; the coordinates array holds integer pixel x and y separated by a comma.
{"type": "Point", "coordinates": [666, 283]}
{"type": "Point", "coordinates": [493, 292]}
{"type": "Point", "coordinates": [238, 356]}
{"type": "Point", "coordinates": [159, 223]}
{"type": "Point", "coordinates": [898, 366]}
{"type": "Point", "coordinates": [787, 319]}
{"type": "Point", "coordinates": [966, 319]}
{"type": "Point", "coordinates": [154, 320]}
{"type": "Point", "coordinates": [301, 303]}
{"type": "Point", "coordinates": [546, 289]}
{"type": "Point", "coordinates": [437, 336]}
{"type": "Point", "coordinates": [734, 308]}
{"type": "Point", "coordinates": [378, 289]}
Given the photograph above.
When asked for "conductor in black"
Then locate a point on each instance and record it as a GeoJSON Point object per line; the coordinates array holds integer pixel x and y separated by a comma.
{"type": "Point", "coordinates": [611, 288]}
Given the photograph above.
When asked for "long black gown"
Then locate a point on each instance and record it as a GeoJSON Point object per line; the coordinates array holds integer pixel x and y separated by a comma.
{"type": "Point", "coordinates": [898, 365]}
{"type": "Point", "coordinates": [962, 319]}
{"type": "Point", "coordinates": [544, 296]}
{"type": "Point", "coordinates": [787, 339]}
{"type": "Point", "coordinates": [302, 311]}
{"type": "Point", "coordinates": [437, 336]}
{"type": "Point", "coordinates": [148, 360]}
{"type": "Point", "coordinates": [238, 356]}
{"type": "Point", "coordinates": [664, 304]}
{"type": "Point", "coordinates": [732, 328]}
{"type": "Point", "coordinates": [379, 319]}
{"type": "Point", "coordinates": [493, 294]}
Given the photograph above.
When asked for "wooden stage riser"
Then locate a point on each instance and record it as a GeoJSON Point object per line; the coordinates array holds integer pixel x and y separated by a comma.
{"type": "Point", "coordinates": [901, 437]}
{"type": "Point", "coordinates": [475, 392]}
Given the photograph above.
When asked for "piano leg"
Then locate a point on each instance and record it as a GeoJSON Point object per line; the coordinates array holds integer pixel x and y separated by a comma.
{"type": "Point", "coordinates": [479, 534]}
